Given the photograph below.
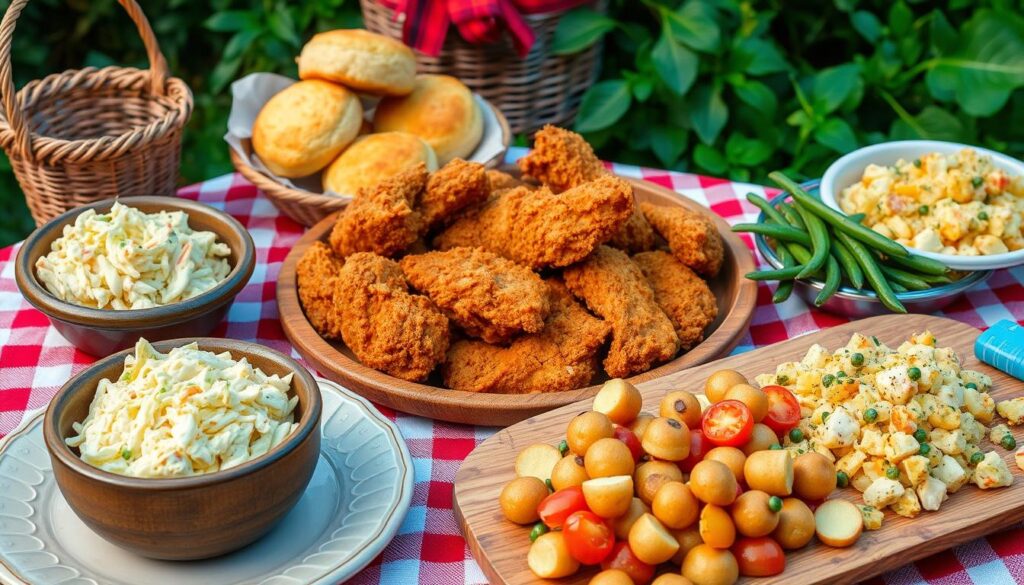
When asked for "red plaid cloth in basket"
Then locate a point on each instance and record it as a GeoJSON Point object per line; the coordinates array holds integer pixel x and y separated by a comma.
{"type": "Point", "coordinates": [35, 360]}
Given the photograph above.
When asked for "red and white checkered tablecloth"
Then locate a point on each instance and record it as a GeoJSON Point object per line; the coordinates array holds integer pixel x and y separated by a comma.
{"type": "Point", "coordinates": [35, 360]}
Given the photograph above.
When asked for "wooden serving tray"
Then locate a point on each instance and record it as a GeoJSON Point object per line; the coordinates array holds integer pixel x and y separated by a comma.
{"type": "Point", "coordinates": [500, 546]}
{"type": "Point", "coordinates": [736, 299]}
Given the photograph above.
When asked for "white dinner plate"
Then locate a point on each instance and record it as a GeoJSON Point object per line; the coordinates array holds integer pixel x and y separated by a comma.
{"type": "Point", "coordinates": [350, 511]}
{"type": "Point", "coordinates": [848, 169]}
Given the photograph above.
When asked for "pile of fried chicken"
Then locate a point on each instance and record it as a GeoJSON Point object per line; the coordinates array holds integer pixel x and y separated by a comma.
{"type": "Point", "coordinates": [497, 302]}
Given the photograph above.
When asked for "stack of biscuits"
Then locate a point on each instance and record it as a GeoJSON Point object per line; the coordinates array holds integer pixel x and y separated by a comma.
{"type": "Point", "coordinates": [318, 125]}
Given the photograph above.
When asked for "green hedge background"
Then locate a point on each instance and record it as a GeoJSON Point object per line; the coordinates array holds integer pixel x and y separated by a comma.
{"type": "Point", "coordinates": [733, 88]}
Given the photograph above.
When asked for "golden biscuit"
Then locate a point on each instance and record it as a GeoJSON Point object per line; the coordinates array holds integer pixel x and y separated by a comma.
{"type": "Point", "coordinates": [359, 59]}
{"type": "Point", "coordinates": [374, 158]}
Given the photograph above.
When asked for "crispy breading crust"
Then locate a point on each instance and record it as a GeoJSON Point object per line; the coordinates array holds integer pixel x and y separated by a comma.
{"type": "Point", "coordinates": [490, 297]}
{"type": "Point", "coordinates": [382, 220]}
{"type": "Point", "coordinates": [615, 288]}
{"type": "Point", "coordinates": [543, 230]}
{"type": "Point", "coordinates": [454, 187]}
{"type": "Point", "coordinates": [562, 356]}
{"type": "Point", "coordinates": [387, 328]}
{"type": "Point", "coordinates": [693, 238]}
{"type": "Point", "coordinates": [684, 296]}
{"type": "Point", "coordinates": [316, 275]}
{"type": "Point", "coordinates": [502, 180]}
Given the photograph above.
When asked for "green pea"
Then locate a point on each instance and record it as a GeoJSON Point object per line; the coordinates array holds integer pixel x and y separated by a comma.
{"type": "Point", "coordinates": [914, 373]}
{"type": "Point", "coordinates": [857, 359]}
{"type": "Point", "coordinates": [892, 473]}
{"type": "Point", "coordinates": [977, 457]}
{"type": "Point", "coordinates": [775, 503]}
{"type": "Point", "coordinates": [538, 529]}
{"type": "Point", "coordinates": [563, 448]}
{"type": "Point", "coordinates": [775, 447]}
{"type": "Point", "coordinates": [827, 380]}
{"type": "Point", "coordinates": [1008, 442]}
{"type": "Point", "coordinates": [782, 379]}
{"type": "Point", "coordinates": [921, 435]}
{"type": "Point", "coordinates": [971, 385]}
{"type": "Point", "coordinates": [917, 162]}
{"type": "Point", "coordinates": [126, 453]}
{"type": "Point", "coordinates": [977, 182]}
{"type": "Point", "coordinates": [842, 480]}
{"type": "Point", "coordinates": [923, 210]}
{"type": "Point", "coordinates": [870, 415]}
{"type": "Point", "coordinates": [796, 435]}
{"type": "Point", "coordinates": [840, 374]}
{"type": "Point", "coordinates": [925, 449]}
{"type": "Point", "coordinates": [983, 215]}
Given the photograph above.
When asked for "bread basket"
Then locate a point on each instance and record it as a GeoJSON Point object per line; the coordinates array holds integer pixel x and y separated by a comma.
{"type": "Point", "coordinates": [91, 134]}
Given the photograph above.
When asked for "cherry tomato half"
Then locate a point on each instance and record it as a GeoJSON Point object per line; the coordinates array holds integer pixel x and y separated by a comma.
{"type": "Point", "coordinates": [759, 557]}
{"type": "Point", "coordinates": [783, 410]}
{"type": "Point", "coordinates": [587, 537]}
{"type": "Point", "coordinates": [728, 423]}
{"type": "Point", "coordinates": [699, 447]}
{"type": "Point", "coordinates": [623, 559]}
{"type": "Point", "coordinates": [629, 438]}
{"type": "Point", "coordinates": [557, 507]}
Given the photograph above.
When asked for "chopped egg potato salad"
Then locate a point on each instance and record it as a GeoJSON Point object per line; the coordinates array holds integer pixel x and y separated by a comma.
{"type": "Point", "coordinates": [183, 413]}
{"type": "Point", "coordinates": [127, 259]}
{"type": "Point", "coordinates": [904, 426]}
{"type": "Point", "coordinates": [950, 204]}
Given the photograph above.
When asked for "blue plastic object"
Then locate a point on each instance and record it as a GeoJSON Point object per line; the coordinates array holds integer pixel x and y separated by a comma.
{"type": "Point", "coordinates": [1002, 347]}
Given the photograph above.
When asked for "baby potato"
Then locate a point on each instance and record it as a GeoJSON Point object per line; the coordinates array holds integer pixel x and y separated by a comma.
{"type": "Point", "coordinates": [640, 424]}
{"type": "Point", "coordinates": [520, 497]}
{"type": "Point", "coordinates": [687, 539]}
{"type": "Point", "coordinates": [609, 497]}
{"type": "Point", "coordinates": [713, 483]}
{"type": "Point", "coordinates": [586, 429]}
{"type": "Point", "coordinates": [796, 524]}
{"type": "Point", "coordinates": [761, 439]}
{"type": "Point", "coordinates": [755, 399]}
{"type": "Point", "coordinates": [569, 472]}
{"type": "Point", "coordinates": [611, 577]}
{"type": "Point", "coordinates": [671, 579]}
{"type": "Point", "coordinates": [720, 382]}
{"type": "Point", "coordinates": [838, 523]}
{"type": "Point", "coordinates": [716, 527]}
{"type": "Point", "coordinates": [607, 457]}
{"type": "Point", "coordinates": [770, 472]}
{"type": "Point", "coordinates": [650, 541]}
{"type": "Point", "coordinates": [652, 475]}
{"type": "Point", "coordinates": [732, 457]}
{"type": "Point", "coordinates": [675, 505]}
{"type": "Point", "coordinates": [623, 523]}
{"type": "Point", "coordinates": [549, 557]}
{"type": "Point", "coordinates": [619, 400]}
{"type": "Point", "coordinates": [537, 461]}
{"type": "Point", "coordinates": [814, 476]}
{"type": "Point", "coordinates": [705, 565]}
{"type": "Point", "coordinates": [667, 439]}
{"type": "Point", "coordinates": [752, 514]}
{"type": "Point", "coordinates": [682, 406]}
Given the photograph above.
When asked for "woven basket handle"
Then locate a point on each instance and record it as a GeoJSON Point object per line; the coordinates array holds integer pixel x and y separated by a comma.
{"type": "Point", "coordinates": [158, 71]}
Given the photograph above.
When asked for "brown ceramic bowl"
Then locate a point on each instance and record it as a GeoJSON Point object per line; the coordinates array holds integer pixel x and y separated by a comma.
{"type": "Point", "coordinates": [187, 517]}
{"type": "Point", "coordinates": [101, 332]}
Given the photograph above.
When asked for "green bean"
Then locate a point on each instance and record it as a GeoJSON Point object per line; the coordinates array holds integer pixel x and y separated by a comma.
{"type": "Point", "coordinates": [819, 241]}
{"type": "Point", "coordinates": [898, 288]}
{"type": "Point", "coordinates": [769, 211]}
{"type": "Point", "coordinates": [838, 220]}
{"type": "Point", "coordinates": [848, 263]}
{"type": "Point", "coordinates": [786, 209]}
{"type": "Point", "coordinates": [779, 232]}
{"type": "Point", "coordinates": [903, 277]}
{"type": "Point", "coordinates": [833, 277]}
{"type": "Point", "coordinates": [920, 264]}
{"type": "Point", "coordinates": [787, 273]}
{"type": "Point", "coordinates": [801, 253]}
{"type": "Point", "coordinates": [785, 288]}
{"type": "Point", "coordinates": [857, 217]}
{"type": "Point", "coordinates": [872, 273]}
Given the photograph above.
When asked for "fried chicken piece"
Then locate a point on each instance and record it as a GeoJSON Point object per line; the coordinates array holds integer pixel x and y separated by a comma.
{"type": "Point", "coordinates": [562, 159]}
{"type": "Point", "coordinates": [615, 288]}
{"type": "Point", "coordinates": [562, 356]}
{"type": "Point", "coordinates": [454, 187]}
{"type": "Point", "coordinates": [385, 326]}
{"type": "Point", "coordinates": [502, 180]}
{"type": "Point", "coordinates": [488, 296]}
{"type": "Point", "coordinates": [693, 238]}
{"type": "Point", "coordinates": [316, 275]}
{"type": "Point", "coordinates": [684, 296]}
{"type": "Point", "coordinates": [382, 220]}
{"type": "Point", "coordinates": [541, 229]}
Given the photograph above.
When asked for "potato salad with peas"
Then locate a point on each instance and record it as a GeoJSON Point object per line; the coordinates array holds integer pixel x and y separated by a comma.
{"type": "Point", "coordinates": [905, 426]}
{"type": "Point", "coordinates": [950, 204]}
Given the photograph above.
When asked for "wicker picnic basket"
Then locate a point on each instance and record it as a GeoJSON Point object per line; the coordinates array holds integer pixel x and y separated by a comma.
{"type": "Point", "coordinates": [543, 88]}
{"type": "Point", "coordinates": [90, 134]}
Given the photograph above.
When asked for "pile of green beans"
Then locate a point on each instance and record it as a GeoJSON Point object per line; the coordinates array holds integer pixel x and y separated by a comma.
{"type": "Point", "coordinates": [813, 240]}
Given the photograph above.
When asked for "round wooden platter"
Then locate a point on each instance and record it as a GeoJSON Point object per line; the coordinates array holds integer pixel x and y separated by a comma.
{"type": "Point", "coordinates": [736, 299]}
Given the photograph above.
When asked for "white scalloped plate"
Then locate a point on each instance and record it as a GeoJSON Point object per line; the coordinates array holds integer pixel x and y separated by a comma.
{"type": "Point", "coordinates": [351, 510]}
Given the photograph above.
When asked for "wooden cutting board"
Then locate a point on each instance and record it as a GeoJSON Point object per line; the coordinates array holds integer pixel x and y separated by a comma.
{"type": "Point", "coordinates": [500, 546]}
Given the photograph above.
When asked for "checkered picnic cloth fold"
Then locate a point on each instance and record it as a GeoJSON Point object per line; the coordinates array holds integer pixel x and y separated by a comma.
{"type": "Point", "coordinates": [35, 360]}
